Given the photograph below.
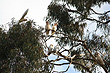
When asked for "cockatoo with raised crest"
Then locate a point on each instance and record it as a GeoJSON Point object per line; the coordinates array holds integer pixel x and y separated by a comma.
{"type": "Point", "coordinates": [56, 48]}
{"type": "Point", "coordinates": [50, 49]}
{"type": "Point", "coordinates": [54, 28]}
{"type": "Point", "coordinates": [47, 28]}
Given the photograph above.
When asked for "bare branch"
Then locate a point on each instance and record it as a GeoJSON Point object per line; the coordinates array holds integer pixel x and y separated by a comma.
{"type": "Point", "coordinates": [100, 13]}
{"type": "Point", "coordinates": [25, 13]}
{"type": "Point", "coordinates": [73, 62]}
{"type": "Point", "coordinates": [74, 11]}
{"type": "Point", "coordinates": [69, 59]}
{"type": "Point", "coordinates": [22, 18]}
{"type": "Point", "coordinates": [63, 64]}
{"type": "Point", "coordinates": [75, 46]}
{"type": "Point", "coordinates": [90, 18]}
{"type": "Point", "coordinates": [98, 21]}
{"type": "Point", "coordinates": [96, 12]}
{"type": "Point", "coordinates": [64, 50]}
{"type": "Point", "coordinates": [56, 60]}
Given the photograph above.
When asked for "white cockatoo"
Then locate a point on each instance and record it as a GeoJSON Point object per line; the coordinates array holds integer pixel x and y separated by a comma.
{"type": "Point", "coordinates": [89, 65]}
{"type": "Point", "coordinates": [56, 48]}
{"type": "Point", "coordinates": [47, 28]}
{"type": "Point", "coordinates": [54, 28]}
{"type": "Point", "coordinates": [50, 49]}
{"type": "Point", "coordinates": [99, 58]}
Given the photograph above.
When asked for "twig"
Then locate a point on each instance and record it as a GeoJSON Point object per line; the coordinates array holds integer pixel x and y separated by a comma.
{"type": "Point", "coordinates": [90, 18]}
{"type": "Point", "coordinates": [100, 13]}
{"type": "Point", "coordinates": [76, 64]}
{"type": "Point", "coordinates": [75, 46]}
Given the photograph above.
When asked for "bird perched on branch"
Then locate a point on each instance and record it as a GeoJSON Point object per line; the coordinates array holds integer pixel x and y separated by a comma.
{"type": "Point", "coordinates": [89, 65]}
{"type": "Point", "coordinates": [56, 48]}
{"type": "Point", "coordinates": [54, 28]}
{"type": "Point", "coordinates": [47, 28]}
{"type": "Point", "coordinates": [99, 58]}
{"type": "Point", "coordinates": [50, 49]}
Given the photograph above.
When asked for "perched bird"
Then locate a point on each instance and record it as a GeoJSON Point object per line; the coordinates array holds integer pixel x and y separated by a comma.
{"type": "Point", "coordinates": [89, 65]}
{"type": "Point", "coordinates": [50, 49]}
{"type": "Point", "coordinates": [56, 48]}
{"type": "Point", "coordinates": [47, 28]}
{"type": "Point", "coordinates": [99, 58]}
{"type": "Point", "coordinates": [54, 28]}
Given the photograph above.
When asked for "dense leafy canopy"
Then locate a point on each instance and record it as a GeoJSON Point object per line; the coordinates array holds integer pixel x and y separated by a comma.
{"type": "Point", "coordinates": [21, 49]}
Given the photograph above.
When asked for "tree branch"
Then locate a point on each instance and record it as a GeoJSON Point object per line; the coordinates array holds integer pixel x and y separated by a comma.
{"type": "Point", "coordinates": [100, 13]}
{"type": "Point", "coordinates": [69, 59]}
{"type": "Point", "coordinates": [85, 59]}
{"type": "Point", "coordinates": [74, 11]}
{"type": "Point", "coordinates": [98, 21]}
{"type": "Point", "coordinates": [63, 64]}
{"type": "Point", "coordinates": [85, 46]}
{"type": "Point", "coordinates": [75, 46]}
{"type": "Point", "coordinates": [55, 60]}
{"type": "Point", "coordinates": [90, 18]}
{"type": "Point", "coordinates": [73, 62]}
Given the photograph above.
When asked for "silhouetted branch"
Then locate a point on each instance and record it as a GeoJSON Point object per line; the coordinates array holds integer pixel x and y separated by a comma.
{"type": "Point", "coordinates": [90, 18]}
{"type": "Point", "coordinates": [74, 11]}
{"type": "Point", "coordinates": [73, 62]}
{"type": "Point", "coordinates": [100, 13]}
{"type": "Point", "coordinates": [62, 64]}
{"type": "Point", "coordinates": [75, 46]}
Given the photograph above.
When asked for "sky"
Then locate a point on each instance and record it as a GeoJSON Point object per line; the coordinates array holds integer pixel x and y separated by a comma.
{"type": "Point", "coordinates": [15, 8]}
{"type": "Point", "coordinates": [37, 11]}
